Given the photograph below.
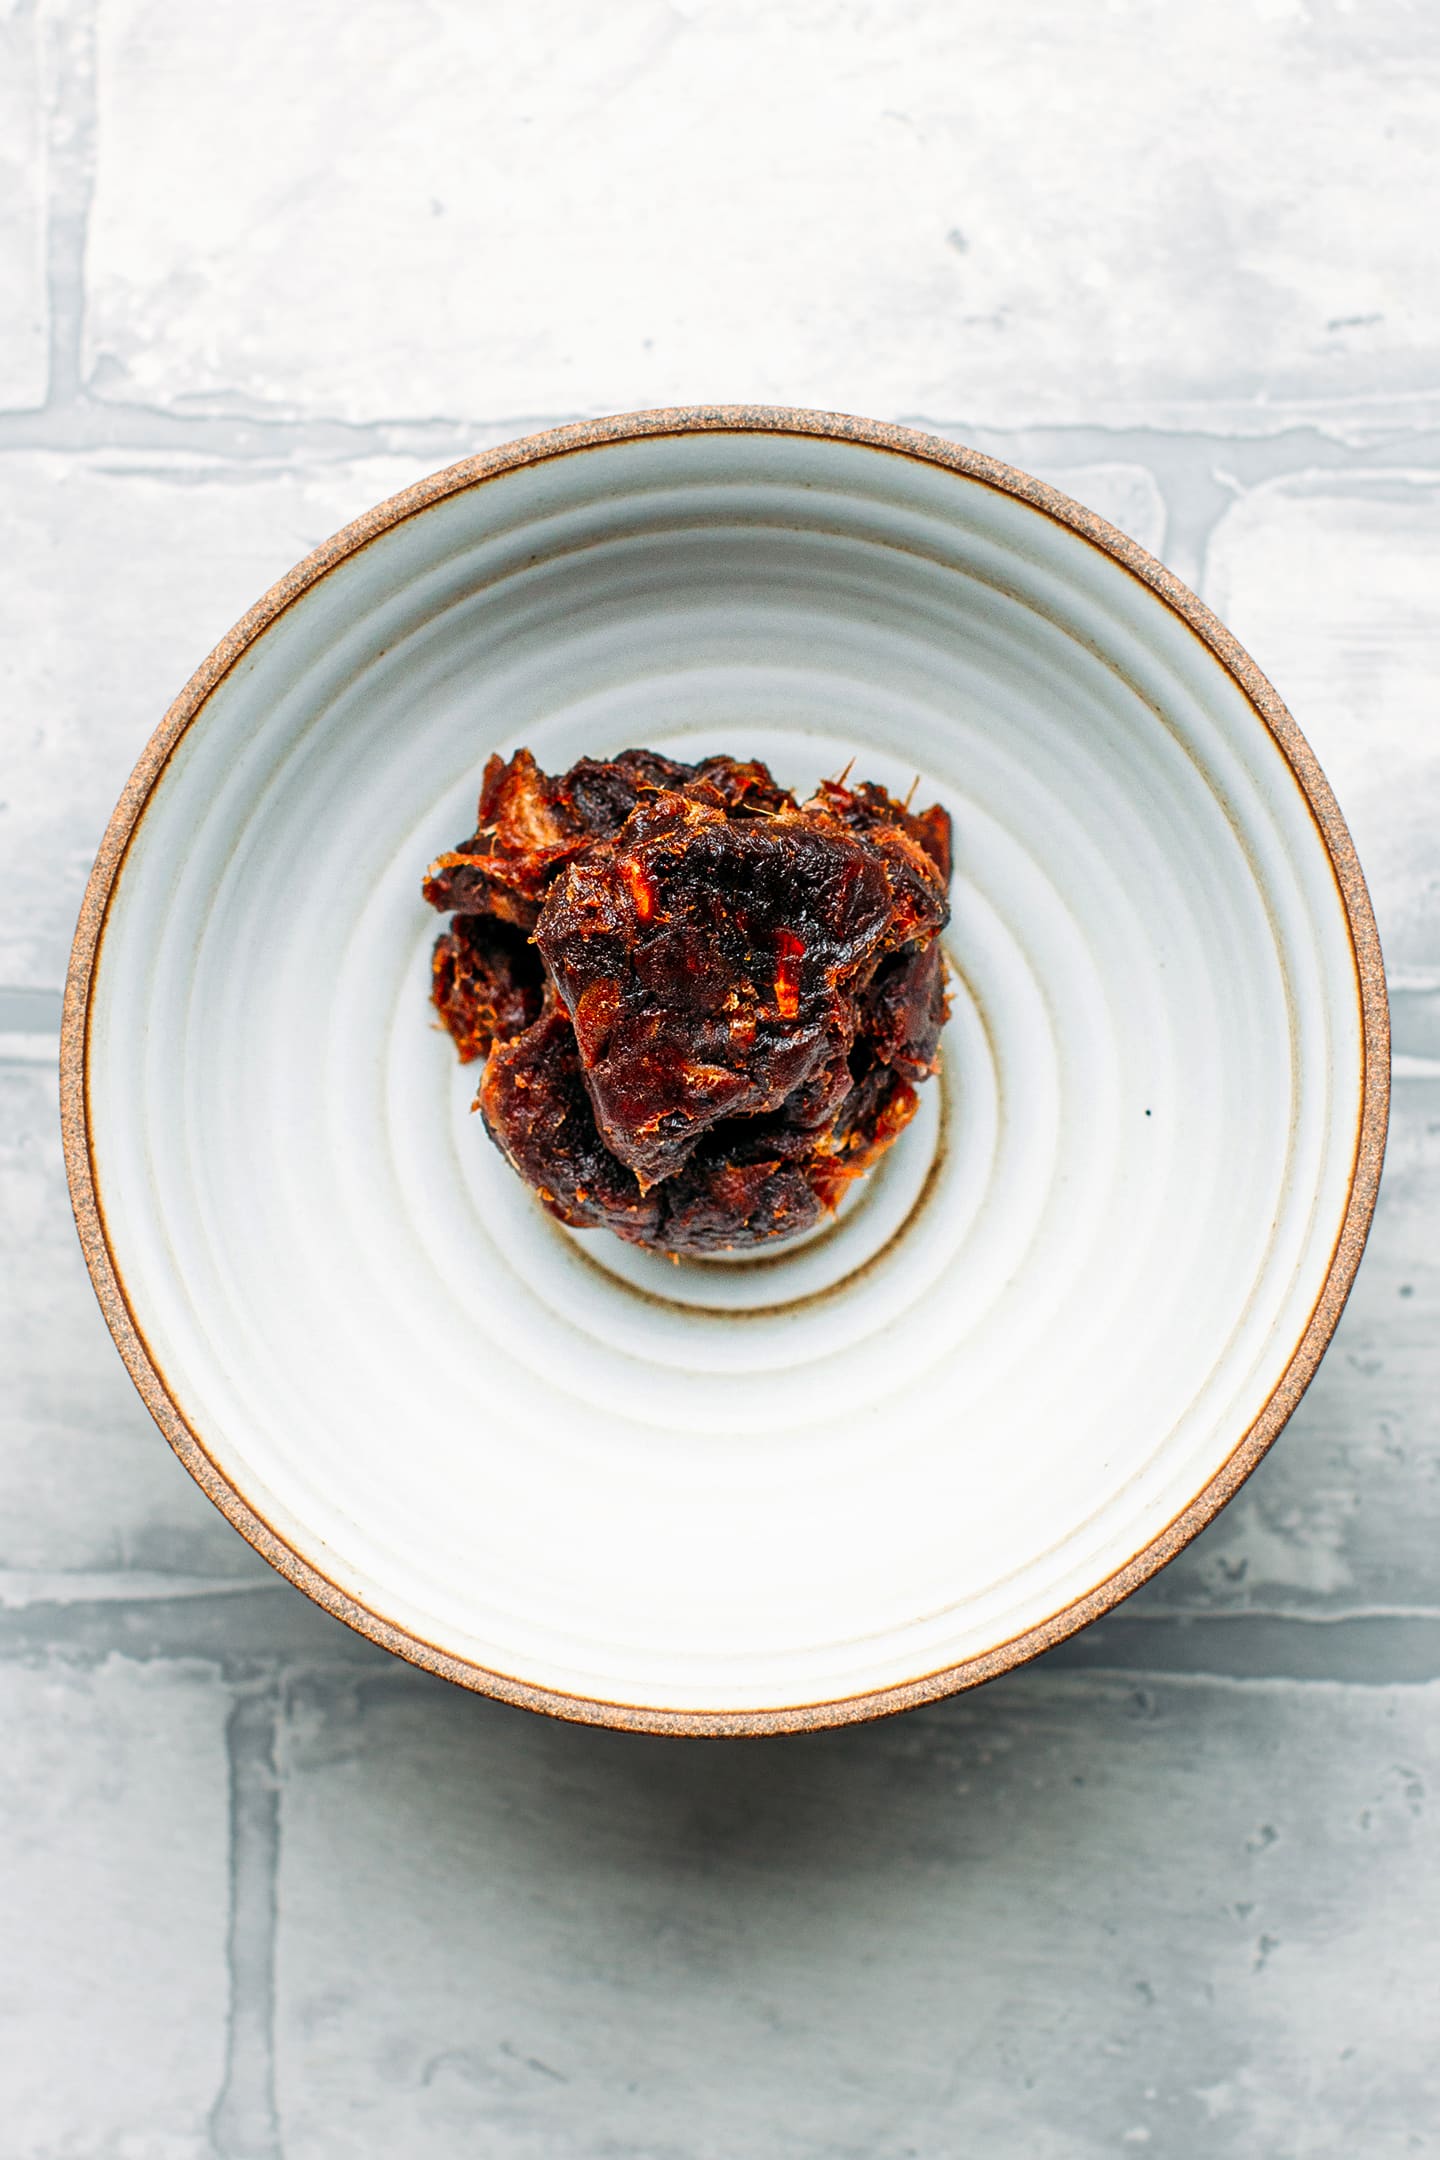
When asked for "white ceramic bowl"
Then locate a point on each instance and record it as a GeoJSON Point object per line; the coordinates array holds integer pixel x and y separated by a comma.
{"type": "Point", "coordinates": [1044, 1344]}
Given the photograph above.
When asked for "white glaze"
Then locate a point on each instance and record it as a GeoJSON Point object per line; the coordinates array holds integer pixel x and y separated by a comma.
{"type": "Point", "coordinates": [918, 1435]}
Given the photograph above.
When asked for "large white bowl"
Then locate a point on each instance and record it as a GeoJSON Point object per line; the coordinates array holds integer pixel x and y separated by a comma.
{"type": "Point", "coordinates": [1037, 1353]}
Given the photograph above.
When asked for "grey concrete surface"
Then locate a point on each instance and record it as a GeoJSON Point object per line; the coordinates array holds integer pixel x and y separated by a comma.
{"type": "Point", "coordinates": [269, 1896]}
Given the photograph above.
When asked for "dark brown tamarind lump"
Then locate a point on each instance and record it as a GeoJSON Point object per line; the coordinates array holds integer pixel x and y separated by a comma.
{"type": "Point", "coordinates": [704, 1007]}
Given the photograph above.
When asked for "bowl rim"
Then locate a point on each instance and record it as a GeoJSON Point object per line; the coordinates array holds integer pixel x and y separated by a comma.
{"type": "Point", "coordinates": [567, 441]}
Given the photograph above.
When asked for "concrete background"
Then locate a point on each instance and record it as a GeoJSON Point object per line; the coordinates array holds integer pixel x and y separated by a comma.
{"type": "Point", "coordinates": [266, 1893]}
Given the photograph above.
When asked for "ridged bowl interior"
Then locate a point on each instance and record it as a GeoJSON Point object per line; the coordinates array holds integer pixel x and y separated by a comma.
{"type": "Point", "coordinates": [1036, 1336]}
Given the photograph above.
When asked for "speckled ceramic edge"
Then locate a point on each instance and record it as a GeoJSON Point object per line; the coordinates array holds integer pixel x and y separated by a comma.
{"type": "Point", "coordinates": [563, 442]}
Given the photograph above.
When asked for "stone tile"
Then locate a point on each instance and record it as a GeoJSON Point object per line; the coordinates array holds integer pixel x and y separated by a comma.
{"type": "Point", "coordinates": [974, 213]}
{"type": "Point", "coordinates": [1335, 587]}
{"type": "Point", "coordinates": [1344, 1513]}
{"type": "Point", "coordinates": [86, 1481]}
{"type": "Point", "coordinates": [121, 574]}
{"type": "Point", "coordinates": [114, 1853]}
{"type": "Point", "coordinates": [1061, 1919]}
{"type": "Point", "coordinates": [24, 321]}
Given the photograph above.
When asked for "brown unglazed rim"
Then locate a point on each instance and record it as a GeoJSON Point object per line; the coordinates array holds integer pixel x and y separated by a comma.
{"type": "Point", "coordinates": [566, 441]}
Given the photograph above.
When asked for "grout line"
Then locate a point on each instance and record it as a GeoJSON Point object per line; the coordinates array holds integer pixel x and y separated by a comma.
{"type": "Point", "coordinates": [1383, 1648]}
{"type": "Point", "coordinates": [21, 1588]}
{"type": "Point", "coordinates": [244, 2124]}
{"type": "Point", "coordinates": [24, 1049]}
{"type": "Point", "coordinates": [69, 67]}
{"type": "Point", "coordinates": [253, 440]}
{"type": "Point", "coordinates": [243, 1625]}
{"type": "Point", "coordinates": [73, 420]}
{"type": "Point", "coordinates": [231, 1626]}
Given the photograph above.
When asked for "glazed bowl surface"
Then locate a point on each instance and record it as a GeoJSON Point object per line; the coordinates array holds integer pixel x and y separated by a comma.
{"type": "Point", "coordinates": [1045, 1341]}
